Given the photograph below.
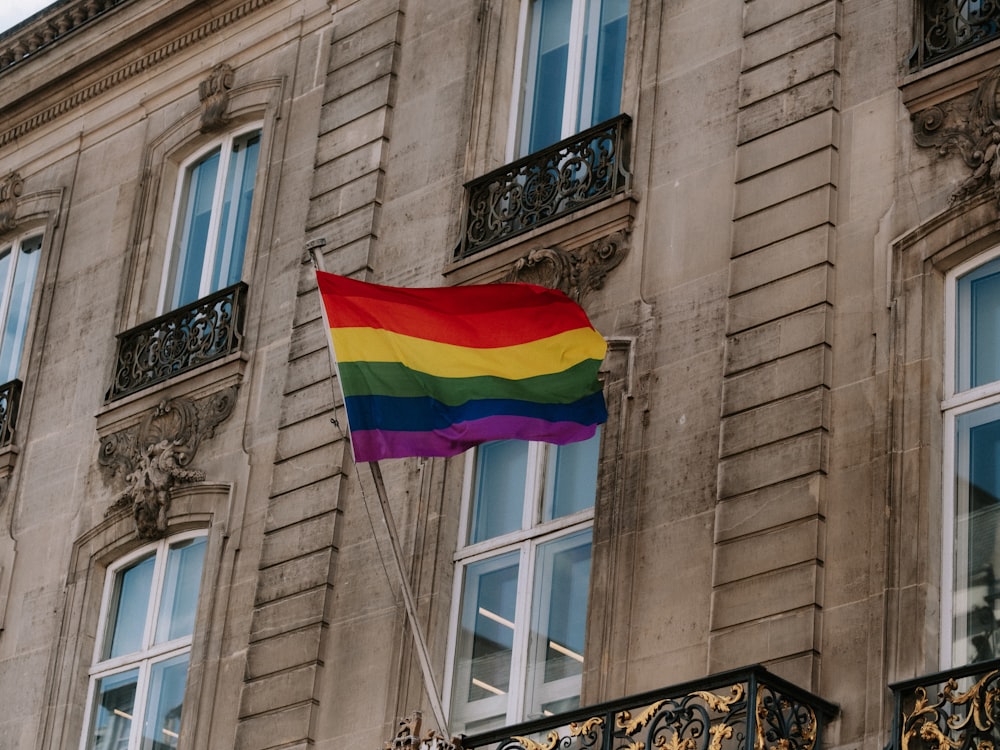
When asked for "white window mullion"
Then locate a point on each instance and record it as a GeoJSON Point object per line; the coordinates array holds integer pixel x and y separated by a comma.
{"type": "Point", "coordinates": [522, 633]}
{"type": "Point", "coordinates": [592, 22]}
{"type": "Point", "coordinates": [574, 68]}
{"type": "Point", "coordinates": [517, 123]}
{"type": "Point", "coordinates": [215, 221]}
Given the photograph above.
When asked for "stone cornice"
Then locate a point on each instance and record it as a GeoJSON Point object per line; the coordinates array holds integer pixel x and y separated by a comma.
{"type": "Point", "coordinates": [123, 72]}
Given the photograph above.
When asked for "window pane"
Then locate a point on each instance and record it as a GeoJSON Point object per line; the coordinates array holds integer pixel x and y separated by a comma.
{"type": "Point", "coordinates": [180, 590]}
{"type": "Point", "coordinates": [977, 548]}
{"type": "Point", "coordinates": [114, 708]}
{"type": "Point", "coordinates": [228, 265]}
{"type": "Point", "coordinates": [979, 326]}
{"type": "Point", "coordinates": [549, 57]}
{"type": "Point", "coordinates": [571, 478]}
{"type": "Point", "coordinates": [16, 325]}
{"type": "Point", "coordinates": [501, 468]}
{"type": "Point", "coordinates": [195, 220]}
{"type": "Point", "coordinates": [162, 726]}
{"type": "Point", "coordinates": [129, 605]}
{"type": "Point", "coordinates": [608, 67]}
{"type": "Point", "coordinates": [486, 638]}
{"type": "Point", "coordinates": [559, 618]}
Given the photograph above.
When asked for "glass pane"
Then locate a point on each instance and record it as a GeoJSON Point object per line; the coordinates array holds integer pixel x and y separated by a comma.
{"type": "Point", "coordinates": [605, 65]}
{"type": "Point", "coordinates": [195, 218]}
{"type": "Point", "coordinates": [486, 638]}
{"type": "Point", "coordinates": [228, 265]}
{"type": "Point", "coordinates": [977, 545]}
{"type": "Point", "coordinates": [559, 618]}
{"type": "Point", "coordinates": [547, 68]}
{"type": "Point", "coordinates": [501, 468]}
{"type": "Point", "coordinates": [162, 725]}
{"type": "Point", "coordinates": [179, 598]}
{"type": "Point", "coordinates": [16, 325]}
{"type": "Point", "coordinates": [114, 706]}
{"type": "Point", "coordinates": [571, 478]}
{"type": "Point", "coordinates": [978, 354]}
{"type": "Point", "coordinates": [129, 607]}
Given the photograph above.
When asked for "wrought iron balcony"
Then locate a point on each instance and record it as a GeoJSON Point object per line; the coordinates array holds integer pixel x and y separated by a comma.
{"type": "Point", "coordinates": [747, 709]}
{"type": "Point", "coordinates": [10, 401]}
{"type": "Point", "coordinates": [953, 710]}
{"type": "Point", "coordinates": [947, 27]}
{"type": "Point", "coordinates": [587, 168]}
{"type": "Point", "coordinates": [179, 341]}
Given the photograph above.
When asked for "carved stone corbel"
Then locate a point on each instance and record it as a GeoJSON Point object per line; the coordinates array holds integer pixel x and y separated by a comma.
{"type": "Point", "coordinates": [11, 188]}
{"type": "Point", "coordinates": [408, 737]}
{"type": "Point", "coordinates": [575, 272]}
{"type": "Point", "coordinates": [213, 93]}
{"type": "Point", "coordinates": [968, 125]}
{"type": "Point", "coordinates": [154, 454]}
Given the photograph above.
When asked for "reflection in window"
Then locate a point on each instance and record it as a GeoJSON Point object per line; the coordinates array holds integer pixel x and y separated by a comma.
{"type": "Point", "coordinates": [574, 68]}
{"type": "Point", "coordinates": [212, 222]}
{"type": "Point", "coordinates": [138, 679]}
{"type": "Point", "coordinates": [524, 583]}
{"type": "Point", "coordinates": [18, 268]}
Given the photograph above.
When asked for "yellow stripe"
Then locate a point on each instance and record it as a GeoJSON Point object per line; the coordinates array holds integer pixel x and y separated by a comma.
{"type": "Point", "coordinates": [541, 357]}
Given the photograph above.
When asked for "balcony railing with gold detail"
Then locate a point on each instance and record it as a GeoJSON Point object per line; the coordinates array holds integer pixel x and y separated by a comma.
{"type": "Point", "coordinates": [944, 28]}
{"type": "Point", "coordinates": [543, 186]}
{"type": "Point", "coordinates": [748, 709]}
{"type": "Point", "coordinates": [953, 710]}
{"type": "Point", "coordinates": [10, 401]}
{"type": "Point", "coordinates": [181, 340]}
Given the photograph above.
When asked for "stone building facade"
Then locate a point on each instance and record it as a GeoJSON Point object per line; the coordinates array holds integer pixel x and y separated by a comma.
{"type": "Point", "coordinates": [782, 215]}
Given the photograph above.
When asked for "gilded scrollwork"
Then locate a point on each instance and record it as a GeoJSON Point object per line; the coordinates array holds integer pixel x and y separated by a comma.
{"type": "Point", "coordinates": [782, 723]}
{"type": "Point", "coordinates": [552, 741]}
{"type": "Point", "coordinates": [958, 720]}
{"type": "Point", "coordinates": [153, 456]}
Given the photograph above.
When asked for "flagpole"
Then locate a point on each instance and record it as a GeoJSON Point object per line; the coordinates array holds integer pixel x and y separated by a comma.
{"type": "Point", "coordinates": [423, 655]}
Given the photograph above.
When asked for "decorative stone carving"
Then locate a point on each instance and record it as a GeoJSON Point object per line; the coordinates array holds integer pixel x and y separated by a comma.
{"type": "Point", "coordinates": [10, 189]}
{"type": "Point", "coordinates": [154, 454]}
{"type": "Point", "coordinates": [408, 737]}
{"type": "Point", "coordinates": [214, 95]}
{"type": "Point", "coordinates": [575, 271]}
{"type": "Point", "coordinates": [969, 125]}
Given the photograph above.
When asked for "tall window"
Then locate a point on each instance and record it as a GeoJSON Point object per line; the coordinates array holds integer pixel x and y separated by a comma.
{"type": "Point", "coordinates": [524, 576]}
{"type": "Point", "coordinates": [18, 268]}
{"type": "Point", "coordinates": [141, 659]}
{"type": "Point", "coordinates": [574, 64]}
{"type": "Point", "coordinates": [212, 219]}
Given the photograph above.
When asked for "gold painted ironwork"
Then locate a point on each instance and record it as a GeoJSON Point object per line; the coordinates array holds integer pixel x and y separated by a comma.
{"type": "Point", "coordinates": [958, 720]}
{"type": "Point", "coordinates": [783, 724]}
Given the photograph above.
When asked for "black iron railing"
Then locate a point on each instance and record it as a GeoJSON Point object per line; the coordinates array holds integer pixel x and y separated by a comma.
{"type": "Point", "coordinates": [576, 172]}
{"type": "Point", "coordinates": [948, 27]}
{"type": "Point", "coordinates": [10, 402]}
{"type": "Point", "coordinates": [747, 709]}
{"type": "Point", "coordinates": [179, 341]}
{"type": "Point", "coordinates": [953, 710]}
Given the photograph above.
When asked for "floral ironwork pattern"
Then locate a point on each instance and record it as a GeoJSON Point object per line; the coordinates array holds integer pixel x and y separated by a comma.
{"type": "Point", "coordinates": [587, 168]}
{"type": "Point", "coordinates": [962, 715]}
{"type": "Point", "coordinates": [948, 27]}
{"type": "Point", "coordinates": [741, 710]}
{"type": "Point", "coordinates": [10, 400]}
{"type": "Point", "coordinates": [179, 341]}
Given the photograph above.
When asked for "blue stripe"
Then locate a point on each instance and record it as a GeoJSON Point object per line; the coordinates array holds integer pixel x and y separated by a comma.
{"type": "Point", "coordinates": [424, 414]}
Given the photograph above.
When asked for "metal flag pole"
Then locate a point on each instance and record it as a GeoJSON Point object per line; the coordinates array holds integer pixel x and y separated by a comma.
{"type": "Point", "coordinates": [423, 656]}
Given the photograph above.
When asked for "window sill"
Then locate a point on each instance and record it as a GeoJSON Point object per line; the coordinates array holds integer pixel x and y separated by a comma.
{"type": "Point", "coordinates": [569, 232]}
{"type": "Point", "coordinates": [945, 80]}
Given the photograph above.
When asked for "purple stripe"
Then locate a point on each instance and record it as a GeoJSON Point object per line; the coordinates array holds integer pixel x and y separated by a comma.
{"type": "Point", "coordinates": [373, 445]}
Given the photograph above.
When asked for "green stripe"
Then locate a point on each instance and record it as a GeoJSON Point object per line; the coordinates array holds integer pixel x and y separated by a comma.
{"type": "Point", "coordinates": [396, 379]}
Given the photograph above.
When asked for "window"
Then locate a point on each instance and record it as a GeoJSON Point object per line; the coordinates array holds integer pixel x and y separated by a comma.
{"type": "Point", "coordinates": [18, 268]}
{"type": "Point", "coordinates": [575, 61]}
{"type": "Point", "coordinates": [212, 219]}
{"type": "Point", "coordinates": [141, 658]}
{"type": "Point", "coordinates": [523, 576]}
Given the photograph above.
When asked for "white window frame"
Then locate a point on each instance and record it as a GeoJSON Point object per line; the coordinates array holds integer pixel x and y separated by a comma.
{"type": "Point", "coordinates": [146, 658]}
{"type": "Point", "coordinates": [955, 404]}
{"type": "Point", "coordinates": [525, 541]}
{"type": "Point", "coordinates": [225, 145]}
{"type": "Point", "coordinates": [14, 247]}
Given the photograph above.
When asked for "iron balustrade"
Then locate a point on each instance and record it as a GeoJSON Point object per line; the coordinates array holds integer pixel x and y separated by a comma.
{"type": "Point", "coordinates": [576, 172]}
{"type": "Point", "coordinates": [180, 340]}
{"type": "Point", "coordinates": [10, 401]}
{"type": "Point", "coordinates": [746, 709]}
{"type": "Point", "coordinates": [945, 28]}
{"type": "Point", "coordinates": [952, 710]}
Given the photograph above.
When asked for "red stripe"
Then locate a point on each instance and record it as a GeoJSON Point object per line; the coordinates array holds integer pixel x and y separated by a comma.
{"type": "Point", "coordinates": [475, 316]}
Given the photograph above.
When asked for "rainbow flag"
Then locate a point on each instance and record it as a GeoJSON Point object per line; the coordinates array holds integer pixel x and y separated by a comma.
{"type": "Point", "coordinates": [435, 371]}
